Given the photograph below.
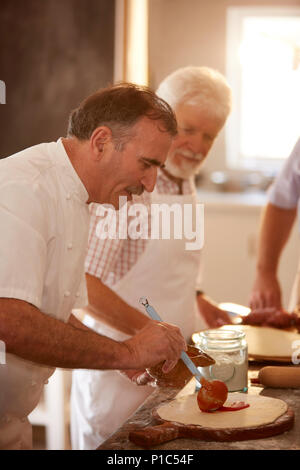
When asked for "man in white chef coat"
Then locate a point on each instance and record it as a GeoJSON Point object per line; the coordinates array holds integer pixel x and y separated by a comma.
{"type": "Point", "coordinates": [278, 219]}
{"type": "Point", "coordinates": [121, 270]}
{"type": "Point", "coordinates": [117, 139]}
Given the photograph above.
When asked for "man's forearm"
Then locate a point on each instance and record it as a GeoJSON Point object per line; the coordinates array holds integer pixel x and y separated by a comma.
{"type": "Point", "coordinates": [107, 306]}
{"type": "Point", "coordinates": [275, 230]}
{"type": "Point", "coordinates": [40, 338]}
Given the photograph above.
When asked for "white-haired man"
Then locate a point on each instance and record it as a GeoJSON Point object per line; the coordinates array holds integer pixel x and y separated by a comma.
{"type": "Point", "coordinates": [120, 271]}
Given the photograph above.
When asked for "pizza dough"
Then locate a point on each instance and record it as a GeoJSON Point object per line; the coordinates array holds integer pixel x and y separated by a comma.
{"type": "Point", "coordinates": [265, 341]}
{"type": "Point", "coordinates": [262, 410]}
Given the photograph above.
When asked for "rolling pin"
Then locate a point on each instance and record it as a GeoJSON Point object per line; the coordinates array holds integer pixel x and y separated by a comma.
{"type": "Point", "coordinates": [280, 377]}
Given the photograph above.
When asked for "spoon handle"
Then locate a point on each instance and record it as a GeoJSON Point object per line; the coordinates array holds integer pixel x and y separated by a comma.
{"type": "Point", "coordinates": [188, 362]}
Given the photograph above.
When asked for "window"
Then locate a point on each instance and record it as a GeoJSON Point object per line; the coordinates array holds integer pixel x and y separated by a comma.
{"type": "Point", "coordinates": [263, 68]}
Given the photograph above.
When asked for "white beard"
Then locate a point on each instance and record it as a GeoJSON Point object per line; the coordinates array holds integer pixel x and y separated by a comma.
{"type": "Point", "coordinates": [186, 168]}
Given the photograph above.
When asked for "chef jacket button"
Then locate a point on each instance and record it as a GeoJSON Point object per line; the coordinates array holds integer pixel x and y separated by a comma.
{"type": "Point", "coordinates": [70, 246]}
{"type": "Point", "coordinates": [68, 197]}
{"type": "Point", "coordinates": [67, 293]}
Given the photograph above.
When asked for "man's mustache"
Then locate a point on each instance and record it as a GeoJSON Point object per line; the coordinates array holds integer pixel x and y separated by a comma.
{"type": "Point", "coordinates": [138, 190]}
{"type": "Point", "coordinates": [190, 154]}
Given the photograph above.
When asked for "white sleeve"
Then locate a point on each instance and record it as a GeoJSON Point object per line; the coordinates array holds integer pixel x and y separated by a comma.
{"type": "Point", "coordinates": [23, 249]}
{"type": "Point", "coordinates": [285, 191]}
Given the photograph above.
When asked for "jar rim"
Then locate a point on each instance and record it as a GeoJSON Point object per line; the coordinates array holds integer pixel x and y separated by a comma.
{"type": "Point", "coordinates": [232, 334]}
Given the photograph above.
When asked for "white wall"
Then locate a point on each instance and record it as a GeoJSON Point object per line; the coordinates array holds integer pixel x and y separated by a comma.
{"type": "Point", "coordinates": [193, 32]}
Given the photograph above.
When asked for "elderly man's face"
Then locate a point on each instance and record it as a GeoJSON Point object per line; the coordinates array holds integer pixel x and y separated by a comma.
{"type": "Point", "coordinates": [197, 130]}
{"type": "Point", "coordinates": [134, 168]}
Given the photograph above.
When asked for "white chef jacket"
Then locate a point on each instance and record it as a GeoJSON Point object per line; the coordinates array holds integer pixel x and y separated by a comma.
{"type": "Point", "coordinates": [44, 221]}
{"type": "Point", "coordinates": [285, 191]}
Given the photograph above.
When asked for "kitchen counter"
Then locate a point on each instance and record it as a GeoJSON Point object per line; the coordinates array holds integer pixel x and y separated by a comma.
{"type": "Point", "coordinates": [142, 418]}
{"type": "Point", "coordinates": [246, 200]}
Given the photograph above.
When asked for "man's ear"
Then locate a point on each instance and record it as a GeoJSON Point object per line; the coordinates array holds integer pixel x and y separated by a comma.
{"type": "Point", "coordinates": [100, 137]}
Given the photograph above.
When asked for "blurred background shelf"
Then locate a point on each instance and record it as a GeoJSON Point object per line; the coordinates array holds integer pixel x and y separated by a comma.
{"type": "Point", "coordinates": [231, 228]}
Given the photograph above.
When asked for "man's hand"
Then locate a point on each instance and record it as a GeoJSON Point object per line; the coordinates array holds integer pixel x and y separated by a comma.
{"type": "Point", "coordinates": [265, 293]}
{"type": "Point", "coordinates": [213, 315]}
{"type": "Point", "coordinates": [156, 342]}
{"type": "Point", "coordinates": [275, 230]}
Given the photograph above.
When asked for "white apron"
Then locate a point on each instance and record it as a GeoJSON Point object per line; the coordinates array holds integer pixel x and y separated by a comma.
{"type": "Point", "coordinates": [21, 385]}
{"type": "Point", "coordinates": [166, 274]}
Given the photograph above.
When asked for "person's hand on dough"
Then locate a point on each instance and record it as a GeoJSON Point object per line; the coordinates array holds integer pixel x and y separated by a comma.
{"type": "Point", "coordinates": [212, 314]}
{"type": "Point", "coordinates": [265, 293]}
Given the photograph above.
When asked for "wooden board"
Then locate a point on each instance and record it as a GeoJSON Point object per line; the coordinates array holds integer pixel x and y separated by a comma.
{"type": "Point", "coordinates": [169, 430]}
{"type": "Point", "coordinates": [256, 337]}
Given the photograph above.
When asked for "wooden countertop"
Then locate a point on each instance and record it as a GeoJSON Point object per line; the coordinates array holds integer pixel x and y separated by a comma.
{"type": "Point", "coordinates": [142, 418]}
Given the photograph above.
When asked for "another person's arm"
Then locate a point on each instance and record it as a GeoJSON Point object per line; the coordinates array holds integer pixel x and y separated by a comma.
{"type": "Point", "coordinates": [274, 233]}
{"type": "Point", "coordinates": [211, 313]}
{"type": "Point", "coordinates": [107, 306]}
{"type": "Point", "coordinates": [37, 337]}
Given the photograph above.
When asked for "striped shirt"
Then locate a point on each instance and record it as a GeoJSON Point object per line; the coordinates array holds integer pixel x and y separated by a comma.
{"type": "Point", "coordinates": [110, 259]}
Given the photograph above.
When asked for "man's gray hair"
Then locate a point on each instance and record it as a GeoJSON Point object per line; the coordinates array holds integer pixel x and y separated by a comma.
{"type": "Point", "coordinates": [197, 86]}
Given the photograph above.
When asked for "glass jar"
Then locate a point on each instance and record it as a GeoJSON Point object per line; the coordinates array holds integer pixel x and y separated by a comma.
{"type": "Point", "coordinates": [229, 349]}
